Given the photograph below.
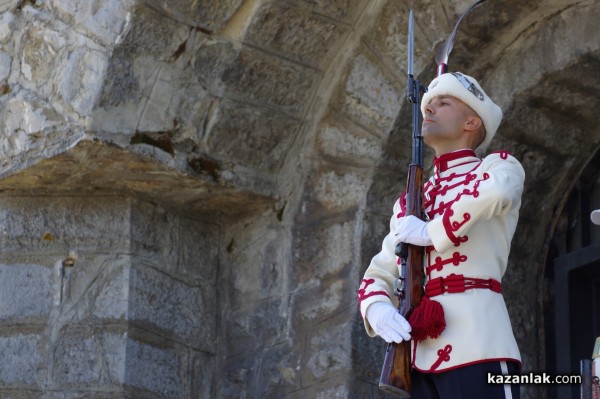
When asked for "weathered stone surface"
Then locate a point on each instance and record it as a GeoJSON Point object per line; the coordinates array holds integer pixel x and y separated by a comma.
{"type": "Point", "coordinates": [110, 293]}
{"type": "Point", "coordinates": [340, 190]}
{"type": "Point", "coordinates": [256, 137]}
{"type": "Point", "coordinates": [241, 326]}
{"type": "Point", "coordinates": [323, 251]}
{"type": "Point", "coordinates": [366, 363]}
{"type": "Point", "coordinates": [211, 61]}
{"type": "Point", "coordinates": [66, 394]}
{"type": "Point", "coordinates": [315, 303]}
{"type": "Point", "coordinates": [102, 20]}
{"type": "Point", "coordinates": [259, 77]}
{"type": "Point", "coordinates": [5, 65]}
{"type": "Point", "coordinates": [152, 35]}
{"type": "Point", "coordinates": [54, 226]}
{"type": "Point", "coordinates": [339, 392]}
{"type": "Point", "coordinates": [90, 288]}
{"type": "Point", "coordinates": [389, 38]}
{"type": "Point", "coordinates": [46, 54]}
{"type": "Point", "coordinates": [21, 357]}
{"type": "Point", "coordinates": [178, 244]}
{"type": "Point", "coordinates": [198, 250]}
{"type": "Point", "coordinates": [347, 143]}
{"type": "Point", "coordinates": [154, 369]}
{"type": "Point", "coordinates": [203, 375]}
{"type": "Point", "coordinates": [6, 5]}
{"type": "Point", "coordinates": [7, 19]}
{"type": "Point", "coordinates": [83, 70]}
{"type": "Point", "coordinates": [155, 233]}
{"type": "Point", "coordinates": [556, 104]}
{"type": "Point", "coordinates": [210, 15]}
{"type": "Point", "coordinates": [172, 306]}
{"type": "Point", "coordinates": [96, 360]}
{"type": "Point", "coordinates": [93, 169]}
{"type": "Point", "coordinates": [541, 51]}
{"type": "Point", "coordinates": [257, 300]}
{"type": "Point", "coordinates": [147, 82]}
{"type": "Point", "coordinates": [274, 374]}
{"type": "Point", "coordinates": [295, 33]}
{"type": "Point", "coordinates": [264, 257]}
{"type": "Point", "coordinates": [275, 377]}
{"type": "Point", "coordinates": [31, 129]}
{"type": "Point", "coordinates": [337, 9]}
{"type": "Point", "coordinates": [98, 289]}
{"type": "Point", "coordinates": [368, 96]}
{"type": "Point", "coordinates": [328, 351]}
{"type": "Point", "coordinates": [39, 56]}
{"type": "Point", "coordinates": [26, 118]}
{"type": "Point", "coordinates": [25, 291]}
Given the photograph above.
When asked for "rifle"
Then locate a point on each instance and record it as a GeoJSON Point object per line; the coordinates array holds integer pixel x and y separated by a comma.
{"type": "Point", "coordinates": [396, 372]}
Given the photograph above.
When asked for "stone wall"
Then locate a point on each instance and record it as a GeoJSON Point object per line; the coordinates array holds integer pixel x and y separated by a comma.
{"type": "Point", "coordinates": [106, 297]}
{"type": "Point", "coordinates": [191, 190]}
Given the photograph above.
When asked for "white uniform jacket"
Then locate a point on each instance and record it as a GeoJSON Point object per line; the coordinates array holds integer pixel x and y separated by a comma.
{"type": "Point", "coordinates": [472, 207]}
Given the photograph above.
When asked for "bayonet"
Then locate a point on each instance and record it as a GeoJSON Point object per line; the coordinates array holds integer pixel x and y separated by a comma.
{"type": "Point", "coordinates": [411, 42]}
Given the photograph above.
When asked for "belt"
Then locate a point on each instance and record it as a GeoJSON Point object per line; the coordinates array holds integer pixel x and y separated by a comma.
{"type": "Point", "coordinates": [458, 283]}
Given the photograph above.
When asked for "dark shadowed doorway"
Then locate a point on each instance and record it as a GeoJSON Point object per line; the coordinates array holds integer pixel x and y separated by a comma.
{"type": "Point", "coordinates": [572, 300]}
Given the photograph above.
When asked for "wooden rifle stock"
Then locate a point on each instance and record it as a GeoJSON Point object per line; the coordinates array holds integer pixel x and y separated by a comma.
{"type": "Point", "coordinates": [396, 371]}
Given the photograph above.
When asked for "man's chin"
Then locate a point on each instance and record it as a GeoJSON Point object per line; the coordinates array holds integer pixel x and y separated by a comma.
{"type": "Point", "coordinates": [427, 134]}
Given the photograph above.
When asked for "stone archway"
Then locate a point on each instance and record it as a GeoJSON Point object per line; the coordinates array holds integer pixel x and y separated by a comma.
{"type": "Point", "coordinates": [263, 130]}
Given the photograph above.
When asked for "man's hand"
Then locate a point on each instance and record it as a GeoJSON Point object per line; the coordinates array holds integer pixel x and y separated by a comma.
{"type": "Point", "coordinates": [412, 230]}
{"type": "Point", "coordinates": [388, 323]}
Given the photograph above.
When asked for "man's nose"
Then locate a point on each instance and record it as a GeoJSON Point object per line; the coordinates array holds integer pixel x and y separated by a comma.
{"type": "Point", "coordinates": [429, 109]}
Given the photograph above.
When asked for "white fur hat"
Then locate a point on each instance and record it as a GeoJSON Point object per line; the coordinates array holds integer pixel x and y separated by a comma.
{"type": "Point", "coordinates": [466, 89]}
{"type": "Point", "coordinates": [595, 216]}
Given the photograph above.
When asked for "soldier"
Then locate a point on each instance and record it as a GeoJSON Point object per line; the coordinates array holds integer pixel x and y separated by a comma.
{"type": "Point", "coordinates": [471, 207]}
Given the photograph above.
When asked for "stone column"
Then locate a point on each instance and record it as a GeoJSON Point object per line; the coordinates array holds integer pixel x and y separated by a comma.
{"type": "Point", "coordinates": [105, 298]}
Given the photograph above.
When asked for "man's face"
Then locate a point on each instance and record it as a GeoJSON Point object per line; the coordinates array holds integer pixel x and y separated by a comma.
{"type": "Point", "coordinates": [444, 120]}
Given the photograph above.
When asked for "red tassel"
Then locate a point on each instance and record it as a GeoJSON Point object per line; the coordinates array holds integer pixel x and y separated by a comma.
{"type": "Point", "coordinates": [427, 320]}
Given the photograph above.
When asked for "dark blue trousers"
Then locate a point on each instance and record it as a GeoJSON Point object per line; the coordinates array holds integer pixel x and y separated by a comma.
{"type": "Point", "coordinates": [470, 382]}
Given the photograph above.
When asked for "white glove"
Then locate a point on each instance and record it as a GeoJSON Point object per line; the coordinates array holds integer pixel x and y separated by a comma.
{"type": "Point", "coordinates": [412, 230]}
{"type": "Point", "coordinates": [387, 322]}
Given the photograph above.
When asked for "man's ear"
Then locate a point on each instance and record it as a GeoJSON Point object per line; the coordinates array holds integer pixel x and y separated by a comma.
{"type": "Point", "coordinates": [473, 123]}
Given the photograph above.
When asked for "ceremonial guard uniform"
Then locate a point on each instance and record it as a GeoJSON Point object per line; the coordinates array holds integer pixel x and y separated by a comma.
{"type": "Point", "coordinates": [471, 210]}
{"type": "Point", "coordinates": [472, 206]}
